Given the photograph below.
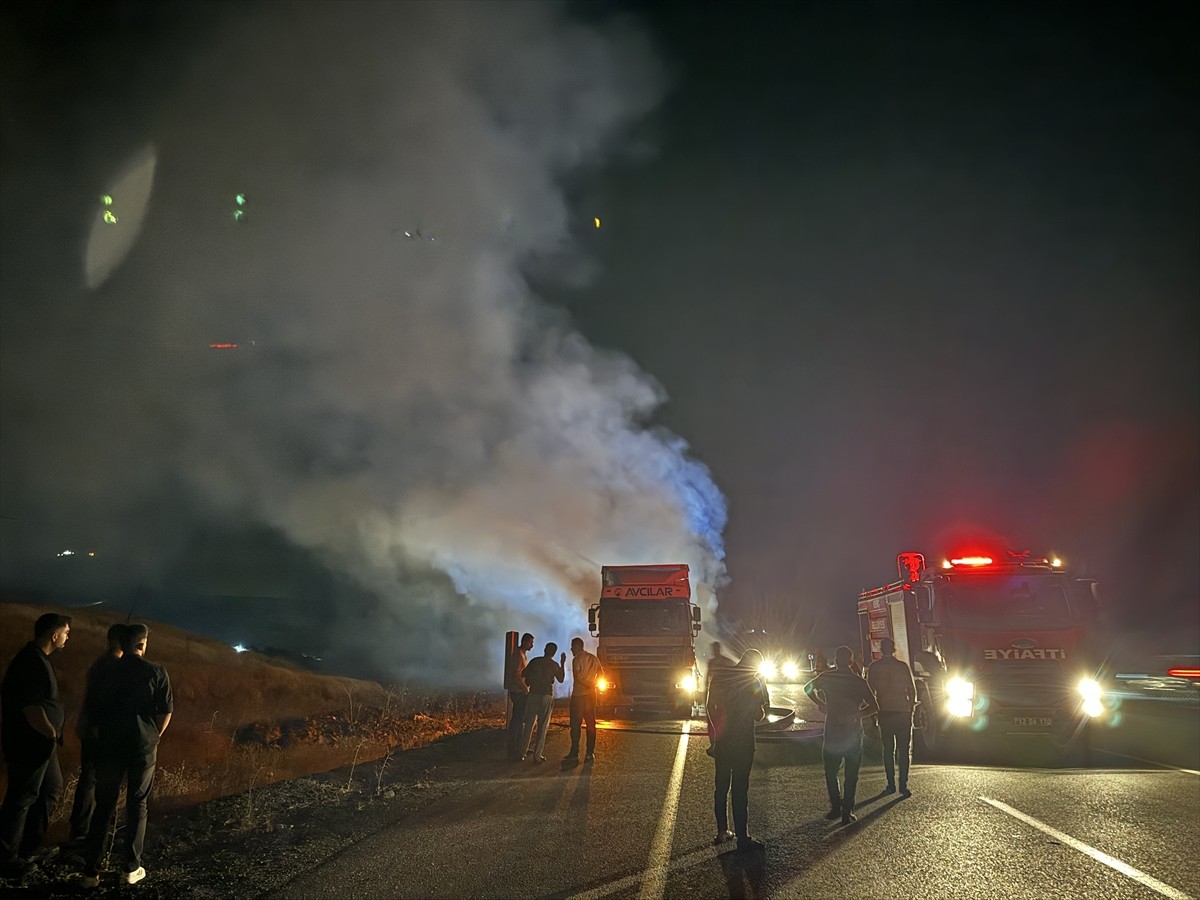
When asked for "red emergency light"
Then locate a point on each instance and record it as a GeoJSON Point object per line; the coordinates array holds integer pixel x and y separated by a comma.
{"type": "Point", "coordinates": [972, 561]}
{"type": "Point", "coordinates": [223, 345]}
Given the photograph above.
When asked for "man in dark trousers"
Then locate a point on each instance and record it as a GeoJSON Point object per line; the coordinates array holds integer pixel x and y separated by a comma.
{"type": "Point", "coordinates": [892, 681]}
{"type": "Point", "coordinates": [737, 700]}
{"type": "Point", "coordinates": [31, 726]}
{"type": "Point", "coordinates": [540, 675]}
{"type": "Point", "coordinates": [133, 706]}
{"type": "Point", "coordinates": [85, 788]}
{"type": "Point", "coordinates": [846, 700]}
{"type": "Point", "coordinates": [585, 672]}
{"type": "Point", "coordinates": [518, 695]}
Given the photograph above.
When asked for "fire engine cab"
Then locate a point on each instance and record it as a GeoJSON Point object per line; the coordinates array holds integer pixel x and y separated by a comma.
{"type": "Point", "coordinates": [998, 643]}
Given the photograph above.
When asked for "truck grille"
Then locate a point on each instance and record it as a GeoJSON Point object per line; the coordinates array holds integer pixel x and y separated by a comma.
{"type": "Point", "coordinates": [1027, 684]}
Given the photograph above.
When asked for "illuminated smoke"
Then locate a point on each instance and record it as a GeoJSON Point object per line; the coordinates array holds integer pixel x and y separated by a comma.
{"type": "Point", "coordinates": [409, 411]}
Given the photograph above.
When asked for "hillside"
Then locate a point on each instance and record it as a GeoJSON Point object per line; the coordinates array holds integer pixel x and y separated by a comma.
{"type": "Point", "coordinates": [243, 720]}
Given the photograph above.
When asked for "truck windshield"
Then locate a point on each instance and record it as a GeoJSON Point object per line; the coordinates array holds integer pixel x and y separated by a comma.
{"type": "Point", "coordinates": [643, 619]}
{"type": "Point", "coordinates": [1004, 601]}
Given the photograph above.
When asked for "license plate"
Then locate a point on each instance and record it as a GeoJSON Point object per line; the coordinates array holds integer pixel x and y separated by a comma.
{"type": "Point", "coordinates": [1033, 720]}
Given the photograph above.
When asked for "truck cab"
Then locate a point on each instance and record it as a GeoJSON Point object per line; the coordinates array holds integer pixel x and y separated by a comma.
{"type": "Point", "coordinates": [999, 643]}
{"type": "Point", "coordinates": [646, 627]}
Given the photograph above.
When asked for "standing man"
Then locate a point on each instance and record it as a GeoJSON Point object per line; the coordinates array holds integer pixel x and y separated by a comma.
{"type": "Point", "coordinates": [540, 675]}
{"type": "Point", "coordinates": [585, 672]}
{"type": "Point", "coordinates": [31, 725]}
{"type": "Point", "coordinates": [892, 681]}
{"type": "Point", "coordinates": [134, 706]}
{"type": "Point", "coordinates": [716, 662]}
{"type": "Point", "coordinates": [846, 700]}
{"type": "Point", "coordinates": [85, 788]}
{"type": "Point", "coordinates": [737, 700]}
{"type": "Point", "coordinates": [518, 695]}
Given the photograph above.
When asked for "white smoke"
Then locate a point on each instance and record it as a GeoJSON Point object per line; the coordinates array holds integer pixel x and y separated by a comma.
{"type": "Point", "coordinates": [408, 410]}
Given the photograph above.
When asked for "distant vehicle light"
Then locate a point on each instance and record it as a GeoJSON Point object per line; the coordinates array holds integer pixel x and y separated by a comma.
{"type": "Point", "coordinates": [767, 669]}
{"type": "Point", "coordinates": [1175, 672]}
{"type": "Point", "coordinates": [67, 553]}
{"type": "Point", "coordinates": [1056, 562]}
{"type": "Point", "coordinates": [223, 345]}
{"type": "Point", "coordinates": [1090, 690]}
{"type": "Point", "coordinates": [1093, 707]}
{"type": "Point", "coordinates": [240, 648]}
{"type": "Point", "coordinates": [688, 683]}
{"type": "Point", "coordinates": [791, 670]}
{"type": "Point", "coordinates": [971, 561]}
{"type": "Point", "coordinates": [603, 684]}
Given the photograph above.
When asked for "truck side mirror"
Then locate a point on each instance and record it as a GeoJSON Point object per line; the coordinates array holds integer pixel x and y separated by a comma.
{"type": "Point", "coordinates": [592, 620]}
{"type": "Point", "coordinates": [924, 604]}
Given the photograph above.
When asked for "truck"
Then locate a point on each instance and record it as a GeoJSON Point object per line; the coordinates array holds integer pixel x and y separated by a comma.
{"type": "Point", "coordinates": [646, 626]}
{"type": "Point", "coordinates": [998, 642]}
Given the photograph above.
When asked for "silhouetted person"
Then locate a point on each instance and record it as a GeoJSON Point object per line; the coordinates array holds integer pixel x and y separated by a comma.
{"type": "Point", "coordinates": [518, 695]}
{"type": "Point", "coordinates": [85, 788]}
{"type": "Point", "coordinates": [892, 681]}
{"type": "Point", "coordinates": [716, 662]}
{"type": "Point", "coordinates": [585, 672]}
{"type": "Point", "coordinates": [845, 699]}
{"type": "Point", "coordinates": [540, 675]}
{"type": "Point", "coordinates": [133, 708]}
{"type": "Point", "coordinates": [737, 700]}
{"type": "Point", "coordinates": [31, 726]}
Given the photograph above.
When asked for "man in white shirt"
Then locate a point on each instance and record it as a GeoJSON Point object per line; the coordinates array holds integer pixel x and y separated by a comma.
{"type": "Point", "coordinates": [585, 672]}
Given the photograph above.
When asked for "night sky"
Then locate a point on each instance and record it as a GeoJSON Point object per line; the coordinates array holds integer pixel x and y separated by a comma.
{"type": "Point", "coordinates": [868, 278]}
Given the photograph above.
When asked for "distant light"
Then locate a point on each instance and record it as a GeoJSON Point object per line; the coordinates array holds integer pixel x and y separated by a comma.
{"type": "Point", "coordinates": [240, 199]}
{"type": "Point", "coordinates": [597, 221]}
{"type": "Point", "coordinates": [791, 670]}
{"type": "Point", "coordinates": [239, 215]}
{"type": "Point", "coordinates": [972, 561]}
{"type": "Point", "coordinates": [67, 553]}
{"type": "Point", "coordinates": [91, 553]}
{"type": "Point", "coordinates": [109, 217]}
{"type": "Point", "coordinates": [1056, 562]}
{"type": "Point", "coordinates": [240, 648]}
{"type": "Point", "coordinates": [223, 345]}
{"type": "Point", "coordinates": [106, 199]}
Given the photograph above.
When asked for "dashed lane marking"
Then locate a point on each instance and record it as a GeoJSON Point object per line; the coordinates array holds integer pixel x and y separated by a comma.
{"type": "Point", "coordinates": [1112, 862]}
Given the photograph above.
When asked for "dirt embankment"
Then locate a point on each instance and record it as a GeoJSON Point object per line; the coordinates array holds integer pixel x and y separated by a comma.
{"type": "Point", "coordinates": [243, 721]}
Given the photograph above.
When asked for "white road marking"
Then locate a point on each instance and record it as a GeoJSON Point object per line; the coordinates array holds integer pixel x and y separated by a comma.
{"type": "Point", "coordinates": [1161, 765]}
{"type": "Point", "coordinates": [621, 884]}
{"type": "Point", "coordinates": [660, 849]}
{"type": "Point", "coordinates": [1112, 862]}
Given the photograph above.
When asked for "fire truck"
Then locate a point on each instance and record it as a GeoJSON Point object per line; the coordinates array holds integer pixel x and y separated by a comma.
{"type": "Point", "coordinates": [999, 643]}
{"type": "Point", "coordinates": [646, 627]}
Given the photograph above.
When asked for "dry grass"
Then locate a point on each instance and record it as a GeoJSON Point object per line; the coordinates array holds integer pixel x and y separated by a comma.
{"type": "Point", "coordinates": [243, 721]}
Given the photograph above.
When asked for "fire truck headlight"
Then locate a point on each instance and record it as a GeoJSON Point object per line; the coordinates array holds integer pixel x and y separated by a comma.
{"type": "Point", "coordinates": [1092, 695]}
{"type": "Point", "coordinates": [688, 683]}
{"type": "Point", "coordinates": [603, 684]}
{"type": "Point", "coordinates": [960, 695]}
{"type": "Point", "coordinates": [767, 669]}
{"type": "Point", "coordinates": [960, 689]}
{"type": "Point", "coordinates": [791, 670]}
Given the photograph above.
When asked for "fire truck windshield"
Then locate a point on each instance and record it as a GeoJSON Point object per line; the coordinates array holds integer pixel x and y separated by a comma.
{"type": "Point", "coordinates": [1001, 601]}
{"type": "Point", "coordinates": [639, 618]}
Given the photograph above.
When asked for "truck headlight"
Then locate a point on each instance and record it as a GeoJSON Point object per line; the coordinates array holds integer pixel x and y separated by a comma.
{"type": "Point", "coordinates": [687, 683]}
{"type": "Point", "coordinates": [1092, 693]}
{"type": "Point", "coordinates": [791, 671]}
{"type": "Point", "coordinates": [960, 695]}
{"type": "Point", "coordinates": [767, 669]}
{"type": "Point", "coordinates": [603, 684]}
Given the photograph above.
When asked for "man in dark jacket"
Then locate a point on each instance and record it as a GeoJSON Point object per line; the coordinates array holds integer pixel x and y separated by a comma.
{"type": "Point", "coordinates": [846, 700]}
{"type": "Point", "coordinates": [892, 681]}
{"type": "Point", "coordinates": [518, 695]}
{"type": "Point", "coordinates": [30, 732]}
{"type": "Point", "coordinates": [133, 706]}
{"type": "Point", "coordinates": [540, 675]}
{"type": "Point", "coordinates": [85, 788]}
{"type": "Point", "coordinates": [737, 700]}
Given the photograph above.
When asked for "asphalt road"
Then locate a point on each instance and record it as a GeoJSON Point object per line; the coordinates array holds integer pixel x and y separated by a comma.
{"type": "Point", "coordinates": [638, 822]}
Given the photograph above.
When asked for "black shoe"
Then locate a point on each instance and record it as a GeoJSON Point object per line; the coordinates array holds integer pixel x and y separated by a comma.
{"type": "Point", "coordinates": [890, 789]}
{"type": "Point", "coordinates": [591, 757]}
{"type": "Point", "coordinates": [748, 843]}
{"type": "Point", "coordinates": [573, 756]}
{"type": "Point", "coordinates": [724, 836]}
{"type": "Point", "coordinates": [905, 792]}
{"type": "Point", "coordinates": [711, 752]}
{"type": "Point", "coordinates": [834, 813]}
{"type": "Point", "coordinates": [848, 818]}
